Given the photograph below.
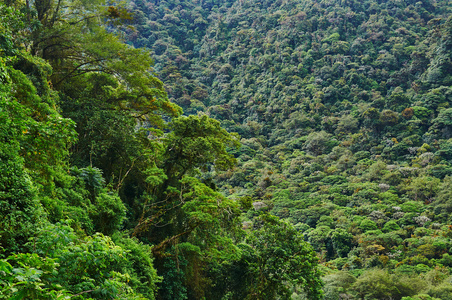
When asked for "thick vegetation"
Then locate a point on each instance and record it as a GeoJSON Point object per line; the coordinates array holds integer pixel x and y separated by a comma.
{"type": "Point", "coordinates": [341, 189]}
{"type": "Point", "coordinates": [106, 190]}
{"type": "Point", "coordinates": [344, 112]}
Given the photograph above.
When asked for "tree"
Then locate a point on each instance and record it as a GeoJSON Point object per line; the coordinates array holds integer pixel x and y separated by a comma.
{"type": "Point", "coordinates": [198, 142]}
{"type": "Point", "coordinates": [338, 284]}
{"type": "Point", "coordinates": [92, 67]}
{"type": "Point", "coordinates": [443, 123]}
{"type": "Point", "coordinates": [185, 217]}
{"type": "Point", "coordinates": [91, 266]}
{"type": "Point", "coordinates": [318, 143]}
{"type": "Point", "coordinates": [19, 206]}
{"type": "Point", "coordinates": [423, 188]}
{"type": "Point", "coordinates": [379, 284]}
{"type": "Point", "coordinates": [342, 241]}
{"type": "Point", "coordinates": [277, 258]}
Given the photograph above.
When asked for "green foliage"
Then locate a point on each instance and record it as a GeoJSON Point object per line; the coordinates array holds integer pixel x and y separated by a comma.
{"type": "Point", "coordinates": [391, 226]}
{"type": "Point", "coordinates": [108, 213]}
{"type": "Point", "coordinates": [197, 142]}
{"type": "Point", "coordinates": [346, 134]}
{"type": "Point", "coordinates": [173, 283]}
{"type": "Point", "coordinates": [367, 225]}
{"type": "Point", "coordinates": [37, 186]}
{"type": "Point", "coordinates": [338, 284]}
{"type": "Point", "coordinates": [276, 255]}
{"type": "Point", "coordinates": [29, 278]}
{"type": "Point", "coordinates": [419, 297]}
{"type": "Point", "coordinates": [95, 265]}
{"type": "Point", "coordinates": [318, 143]}
{"type": "Point", "coordinates": [139, 265]}
{"type": "Point", "coordinates": [19, 206]}
{"type": "Point", "coordinates": [423, 188]}
{"type": "Point", "coordinates": [378, 284]}
{"type": "Point", "coordinates": [342, 241]}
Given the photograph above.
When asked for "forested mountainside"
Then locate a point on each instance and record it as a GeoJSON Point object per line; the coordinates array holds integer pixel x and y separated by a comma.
{"type": "Point", "coordinates": [343, 108]}
{"type": "Point", "coordinates": [104, 186]}
{"type": "Point", "coordinates": [274, 150]}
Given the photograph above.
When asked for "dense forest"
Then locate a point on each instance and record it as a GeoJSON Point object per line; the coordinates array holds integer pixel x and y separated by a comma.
{"type": "Point", "coordinates": [343, 108]}
{"type": "Point", "coordinates": [226, 149]}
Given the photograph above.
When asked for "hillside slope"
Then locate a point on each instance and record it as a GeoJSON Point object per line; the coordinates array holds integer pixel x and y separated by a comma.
{"type": "Point", "coordinates": [344, 112]}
